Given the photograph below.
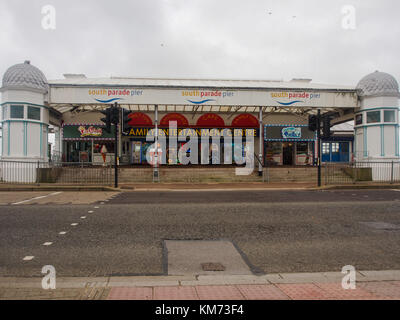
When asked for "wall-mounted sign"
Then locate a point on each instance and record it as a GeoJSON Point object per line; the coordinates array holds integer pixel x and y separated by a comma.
{"type": "Point", "coordinates": [195, 97]}
{"type": "Point", "coordinates": [286, 98]}
{"type": "Point", "coordinates": [86, 132]}
{"type": "Point", "coordinates": [291, 133]}
{"type": "Point", "coordinates": [90, 131]}
{"type": "Point", "coordinates": [187, 132]}
{"type": "Point", "coordinates": [275, 132]}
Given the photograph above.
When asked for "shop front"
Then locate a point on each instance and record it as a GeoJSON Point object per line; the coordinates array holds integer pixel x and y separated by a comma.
{"type": "Point", "coordinates": [210, 130]}
{"type": "Point", "coordinates": [289, 145]}
{"type": "Point", "coordinates": [85, 143]}
{"type": "Point", "coordinates": [337, 149]}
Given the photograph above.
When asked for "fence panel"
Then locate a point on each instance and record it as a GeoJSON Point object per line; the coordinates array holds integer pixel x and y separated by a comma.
{"type": "Point", "coordinates": [19, 172]}
{"type": "Point", "coordinates": [362, 172]}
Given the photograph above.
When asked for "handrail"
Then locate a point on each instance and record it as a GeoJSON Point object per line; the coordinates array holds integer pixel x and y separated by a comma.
{"type": "Point", "coordinates": [259, 161]}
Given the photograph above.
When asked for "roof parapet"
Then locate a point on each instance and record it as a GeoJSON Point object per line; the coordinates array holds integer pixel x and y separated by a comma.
{"type": "Point", "coordinates": [74, 76]}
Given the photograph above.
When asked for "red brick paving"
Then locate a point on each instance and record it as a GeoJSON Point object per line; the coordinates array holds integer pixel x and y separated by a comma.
{"type": "Point", "coordinates": [303, 291]}
{"type": "Point", "coordinates": [262, 292]}
{"type": "Point", "coordinates": [134, 293]}
{"type": "Point", "coordinates": [219, 293]}
{"type": "Point", "coordinates": [383, 290]}
{"type": "Point", "coordinates": [335, 290]}
{"type": "Point", "coordinates": [175, 293]}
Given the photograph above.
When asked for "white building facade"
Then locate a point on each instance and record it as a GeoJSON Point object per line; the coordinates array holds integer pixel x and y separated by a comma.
{"type": "Point", "coordinates": [271, 111]}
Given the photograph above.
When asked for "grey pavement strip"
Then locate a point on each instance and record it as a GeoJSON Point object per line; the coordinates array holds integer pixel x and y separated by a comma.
{"type": "Point", "coordinates": [185, 257]}
{"type": "Point", "coordinates": [150, 281]}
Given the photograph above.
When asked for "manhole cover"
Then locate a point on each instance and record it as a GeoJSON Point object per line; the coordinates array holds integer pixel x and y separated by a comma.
{"type": "Point", "coordinates": [210, 266]}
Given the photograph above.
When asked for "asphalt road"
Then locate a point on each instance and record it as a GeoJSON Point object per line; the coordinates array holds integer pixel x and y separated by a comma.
{"type": "Point", "coordinates": [277, 231]}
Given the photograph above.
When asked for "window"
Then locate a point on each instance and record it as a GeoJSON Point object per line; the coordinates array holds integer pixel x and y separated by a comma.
{"type": "Point", "coordinates": [359, 119]}
{"type": "Point", "coordinates": [302, 148]}
{"type": "Point", "coordinates": [373, 116]}
{"type": "Point", "coordinates": [325, 148]}
{"type": "Point", "coordinates": [389, 116]}
{"type": "Point", "coordinates": [335, 147]}
{"type": "Point", "coordinates": [17, 112]}
{"type": "Point", "coordinates": [33, 113]}
{"type": "Point", "coordinates": [4, 114]}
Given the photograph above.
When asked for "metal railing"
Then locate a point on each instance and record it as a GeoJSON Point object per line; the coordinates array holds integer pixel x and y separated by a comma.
{"type": "Point", "coordinates": [23, 172]}
{"type": "Point", "coordinates": [362, 172]}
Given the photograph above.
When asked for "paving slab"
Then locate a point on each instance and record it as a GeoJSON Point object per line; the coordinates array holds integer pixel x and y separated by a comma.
{"type": "Point", "coordinates": [385, 289]}
{"type": "Point", "coordinates": [144, 281]}
{"type": "Point", "coordinates": [301, 278]}
{"type": "Point", "coordinates": [384, 275]}
{"type": "Point", "coordinates": [262, 292]}
{"type": "Point", "coordinates": [139, 293]}
{"type": "Point", "coordinates": [219, 293]}
{"type": "Point", "coordinates": [225, 280]}
{"type": "Point", "coordinates": [175, 293]}
{"type": "Point", "coordinates": [186, 257]}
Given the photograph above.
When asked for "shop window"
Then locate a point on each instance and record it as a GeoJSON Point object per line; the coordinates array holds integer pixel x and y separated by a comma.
{"type": "Point", "coordinates": [373, 117]}
{"type": "Point", "coordinates": [302, 148]}
{"type": "Point", "coordinates": [273, 155]}
{"type": "Point", "coordinates": [33, 113]}
{"type": "Point", "coordinates": [389, 116]}
{"type": "Point", "coordinates": [325, 148]}
{"type": "Point", "coordinates": [17, 112]}
{"type": "Point", "coordinates": [359, 119]}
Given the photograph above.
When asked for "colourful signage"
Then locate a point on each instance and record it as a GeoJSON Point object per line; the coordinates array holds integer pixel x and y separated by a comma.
{"type": "Point", "coordinates": [275, 132]}
{"type": "Point", "coordinates": [90, 131]}
{"type": "Point", "coordinates": [289, 98]}
{"type": "Point", "coordinates": [188, 132]}
{"type": "Point", "coordinates": [86, 132]}
{"type": "Point", "coordinates": [291, 133]}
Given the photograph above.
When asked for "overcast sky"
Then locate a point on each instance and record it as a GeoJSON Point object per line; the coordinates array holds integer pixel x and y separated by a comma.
{"type": "Point", "coordinates": [226, 39]}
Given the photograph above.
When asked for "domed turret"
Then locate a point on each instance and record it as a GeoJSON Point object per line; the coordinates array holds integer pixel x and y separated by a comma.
{"type": "Point", "coordinates": [25, 76]}
{"type": "Point", "coordinates": [378, 84]}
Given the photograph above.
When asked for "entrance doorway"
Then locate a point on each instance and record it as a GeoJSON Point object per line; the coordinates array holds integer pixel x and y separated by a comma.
{"type": "Point", "coordinates": [288, 149]}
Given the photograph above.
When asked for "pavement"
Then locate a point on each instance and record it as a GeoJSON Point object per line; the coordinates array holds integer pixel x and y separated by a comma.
{"type": "Point", "coordinates": [195, 186]}
{"type": "Point", "coordinates": [53, 197]}
{"type": "Point", "coordinates": [370, 285]}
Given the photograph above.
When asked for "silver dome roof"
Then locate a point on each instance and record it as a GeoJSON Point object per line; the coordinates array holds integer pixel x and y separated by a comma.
{"type": "Point", "coordinates": [25, 76]}
{"type": "Point", "coordinates": [379, 84]}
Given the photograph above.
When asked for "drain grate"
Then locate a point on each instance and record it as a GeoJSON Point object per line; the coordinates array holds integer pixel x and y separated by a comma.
{"type": "Point", "coordinates": [211, 266]}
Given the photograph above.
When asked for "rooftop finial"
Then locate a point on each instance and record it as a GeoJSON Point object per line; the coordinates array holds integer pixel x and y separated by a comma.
{"type": "Point", "coordinates": [27, 62]}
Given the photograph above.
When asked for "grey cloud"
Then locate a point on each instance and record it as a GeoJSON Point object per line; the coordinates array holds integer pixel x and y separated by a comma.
{"type": "Point", "coordinates": [197, 39]}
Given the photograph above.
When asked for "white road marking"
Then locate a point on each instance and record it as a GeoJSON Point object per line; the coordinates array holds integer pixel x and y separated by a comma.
{"type": "Point", "coordinates": [97, 207]}
{"type": "Point", "coordinates": [28, 258]}
{"type": "Point", "coordinates": [398, 190]}
{"type": "Point", "coordinates": [63, 232]}
{"type": "Point", "coordinates": [47, 243]}
{"type": "Point", "coordinates": [74, 224]}
{"type": "Point", "coordinates": [90, 211]}
{"type": "Point", "coordinates": [36, 198]}
{"type": "Point", "coordinates": [101, 202]}
{"type": "Point", "coordinates": [83, 217]}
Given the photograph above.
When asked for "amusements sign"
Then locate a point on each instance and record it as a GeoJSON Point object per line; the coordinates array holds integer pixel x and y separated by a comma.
{"type": "Point", "coordinates": [188, 132]}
